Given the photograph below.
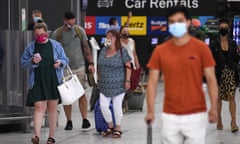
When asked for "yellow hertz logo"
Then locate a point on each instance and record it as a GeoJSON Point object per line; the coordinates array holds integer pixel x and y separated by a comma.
{"type": "Point", "coordinates": [137, 25]}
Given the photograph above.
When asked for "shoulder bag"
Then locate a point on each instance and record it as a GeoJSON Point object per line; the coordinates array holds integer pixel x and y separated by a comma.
{"type": "Point", "coordinates": [71, 89]}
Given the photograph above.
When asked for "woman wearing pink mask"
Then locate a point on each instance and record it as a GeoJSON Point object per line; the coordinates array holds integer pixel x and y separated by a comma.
{"type": "Point", "coordinates": [45, 60]}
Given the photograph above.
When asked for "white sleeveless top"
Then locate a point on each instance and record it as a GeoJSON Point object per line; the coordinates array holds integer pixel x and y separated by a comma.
{"type": "Point", "coordinates": [130, 48]}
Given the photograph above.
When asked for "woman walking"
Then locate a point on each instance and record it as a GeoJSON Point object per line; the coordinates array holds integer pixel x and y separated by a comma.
{"type": "Point", "coordinates": [45, 60]}
{"type": "Point", "coordinates": [225, 54]}
{"type": "Point", "coordinates": [114, 80]}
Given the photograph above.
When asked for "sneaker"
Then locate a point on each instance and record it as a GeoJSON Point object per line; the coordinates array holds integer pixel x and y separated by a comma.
{"type": "Point", "coordinates": [86, 124]}
{"type": "Point", "coordinates": [69, 125]}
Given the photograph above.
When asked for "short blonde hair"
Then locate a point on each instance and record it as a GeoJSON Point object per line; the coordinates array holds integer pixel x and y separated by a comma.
{"type": "Point", "coordinates": [40, 25]}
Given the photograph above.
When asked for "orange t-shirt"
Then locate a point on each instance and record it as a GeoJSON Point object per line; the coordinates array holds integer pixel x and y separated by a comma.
{"type": "Point", "coordinates": [182, 67]}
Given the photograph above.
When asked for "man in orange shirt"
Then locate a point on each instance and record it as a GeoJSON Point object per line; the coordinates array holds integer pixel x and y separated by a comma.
{"type": "Point", "coordinates": [183, 60]}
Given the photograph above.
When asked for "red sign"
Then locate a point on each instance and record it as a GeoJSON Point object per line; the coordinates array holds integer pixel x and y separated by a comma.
{"type": "Point", "coordinates": [90, 25]}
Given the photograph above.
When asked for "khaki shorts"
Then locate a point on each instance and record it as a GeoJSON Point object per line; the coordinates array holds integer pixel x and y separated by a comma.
{"type": "Point", "coordinates": [80, 74]}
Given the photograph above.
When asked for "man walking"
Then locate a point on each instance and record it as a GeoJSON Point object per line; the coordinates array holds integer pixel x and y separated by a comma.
{"type": "Point", "coordinates": [75, 44]}
{"type": "Point", "coordinates": [183, 60]}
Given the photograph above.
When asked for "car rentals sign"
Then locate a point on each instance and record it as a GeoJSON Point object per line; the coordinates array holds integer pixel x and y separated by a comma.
{"type": "Point", "coordinates": [149, 7]}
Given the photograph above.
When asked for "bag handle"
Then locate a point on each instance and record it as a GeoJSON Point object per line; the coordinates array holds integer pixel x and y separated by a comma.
{"type": "Point", "coordinates": [149, 133]}
{"type": "Point", "coordinates": [68, 70]}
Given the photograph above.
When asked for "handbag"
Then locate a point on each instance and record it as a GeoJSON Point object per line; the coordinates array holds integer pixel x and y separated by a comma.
{"type": "Point", "coordinates": [135, 75]}
{"type": "Point", "coordinates": [94, 97]}
{"type": "Point", "coordinates": [135, 78]}
{"type": "Point", "coordinates": [71, 89]}
{"type": "Point", "coordinates": [91, 80]}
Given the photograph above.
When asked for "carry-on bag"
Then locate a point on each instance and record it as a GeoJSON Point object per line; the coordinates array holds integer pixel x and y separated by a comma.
{"type": "Point", "coordinates": [136, 101]}
{"type": "Point", "coordinates": [100, 123]}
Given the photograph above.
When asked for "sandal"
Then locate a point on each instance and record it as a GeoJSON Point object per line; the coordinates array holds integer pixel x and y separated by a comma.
{"type": "Point", "coordinates": [35, 140]}
{"type": "Point", "coordinates": [50, 140]}
{"type": "Point", "coordinates": [117, 134]}
{"type": "Point", "coordinates": [219, 126]}
{"type": "Point", "coordinates": [234, 128]}
{"type": "Point", "coordinates": [107, 132]}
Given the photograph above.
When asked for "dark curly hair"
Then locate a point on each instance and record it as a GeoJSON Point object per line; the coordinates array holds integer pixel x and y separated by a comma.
{"type": "Point", "coordinates": [178, 9]}
{"type": "Point", "coordinates": [224, 20]}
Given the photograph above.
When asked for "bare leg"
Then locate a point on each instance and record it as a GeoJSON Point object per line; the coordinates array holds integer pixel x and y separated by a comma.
{"type": "Point", "coordinates": [68, 111]}
{"type": "Point", "coordinates": [219, 108]}
{"type": "Point", "coordinates": [39, 111]}
{"type": "Point", "coordinates": [82, 103]}
{"type": "Point", "coordinates": [110, 125]}
{"type": "Point", "coordinates": [232, 109]}
{"type": "Point", "coordinates": [118, 127]}
{"type": "Point", "coordinates": [52, 114]}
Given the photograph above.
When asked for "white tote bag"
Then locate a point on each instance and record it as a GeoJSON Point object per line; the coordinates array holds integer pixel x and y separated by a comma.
{"type": "Point", "coordinates": [71, 89]}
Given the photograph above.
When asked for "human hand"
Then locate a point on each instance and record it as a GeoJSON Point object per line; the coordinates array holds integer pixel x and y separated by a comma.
{"type": "Point", "coordinates": [149, 118]}
{"type": "Point", "coordinates": [91, 68]}
{"type": "Point", "coordinates": [127, 85]}
{"type": "Point", "coordinates": [57, 64]}
{"type": "Point", "coordinates": [36, 58]}
{"type": "Point", "coordinates": [212, 115]}
{"type": "Point", "coordinates": [130, 14]}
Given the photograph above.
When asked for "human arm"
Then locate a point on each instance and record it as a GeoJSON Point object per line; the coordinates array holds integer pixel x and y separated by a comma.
{"type": "Point", "coordinates": [151, 94]}
{"type": "Point", "coordinates": [128, 69]}
{"type": "Point", "coordinates": [87, 51]}
{"type": "Point", "coordinates": [88, 56]}
{"type": "Point", "coordinates": [62, 60]}
{"type": "Point", "coordinates": [128, 75]}
{"type": "Point", "coordinates": [213, 93]}
{"type": "Point", "coordinates": [128, 18]}
{"type": "Point", "coordinates": [136, 61]}
{"type": "Point", "coordinates": [27, 60]}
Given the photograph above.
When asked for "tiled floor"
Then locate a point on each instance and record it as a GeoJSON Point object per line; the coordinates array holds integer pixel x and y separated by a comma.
{"type": "Point", "coordinates": [134, 129]}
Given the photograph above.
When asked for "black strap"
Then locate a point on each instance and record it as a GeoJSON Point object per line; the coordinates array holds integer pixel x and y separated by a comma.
{"type": "Point", "coordinates": [50, 140]}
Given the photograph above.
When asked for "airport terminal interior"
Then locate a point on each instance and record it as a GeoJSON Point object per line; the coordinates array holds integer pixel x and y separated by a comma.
{"type": "Point", "coordinates": [147, 26]}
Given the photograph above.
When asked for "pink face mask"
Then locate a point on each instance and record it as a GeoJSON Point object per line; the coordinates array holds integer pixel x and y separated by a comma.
{"type": "Point", "coordinates": [41, 38]}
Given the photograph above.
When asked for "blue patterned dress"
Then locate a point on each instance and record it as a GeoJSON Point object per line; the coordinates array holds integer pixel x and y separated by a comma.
{"type": "Point", "coordinates": [112, 72]}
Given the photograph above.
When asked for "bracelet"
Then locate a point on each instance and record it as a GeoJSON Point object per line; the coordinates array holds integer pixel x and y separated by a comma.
{"type": "Point", "coordinates": [127, 81]}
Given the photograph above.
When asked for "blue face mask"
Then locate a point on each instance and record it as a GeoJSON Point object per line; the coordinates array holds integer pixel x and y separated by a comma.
{"type": "Point", "coordinates": [178, 29]}
{"type": "Point", "coordinates": [35, 19]}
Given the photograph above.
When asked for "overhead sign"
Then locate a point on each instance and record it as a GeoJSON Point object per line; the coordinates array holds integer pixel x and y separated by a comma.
{"type": "Point", "coordinates": [102, 24]}
{"type": "Point", "coordinates": [209, 24]}
{"type": "Point", "coordinates": [149, 7]}
{"type": "Point", "coordinates": [90, 25]}
{"type": "Point", "coordinates": [137, 25]}
{"type": "Point", "coordinates": [157, 26]}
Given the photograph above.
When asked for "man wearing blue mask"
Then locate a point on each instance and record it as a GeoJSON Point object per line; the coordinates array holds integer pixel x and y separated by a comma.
{"type": "Point", "coordinates": [183, 60]}
{"type": "Point", "coordinates": [36, 17]}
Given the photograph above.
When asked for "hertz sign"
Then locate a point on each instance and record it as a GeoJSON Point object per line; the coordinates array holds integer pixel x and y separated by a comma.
{"type": "Point", "coordinates": [137, 25]}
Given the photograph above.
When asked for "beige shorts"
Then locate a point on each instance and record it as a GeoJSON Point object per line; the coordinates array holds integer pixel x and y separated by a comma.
{"type": "Point", "coordinates": [80, 74]}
